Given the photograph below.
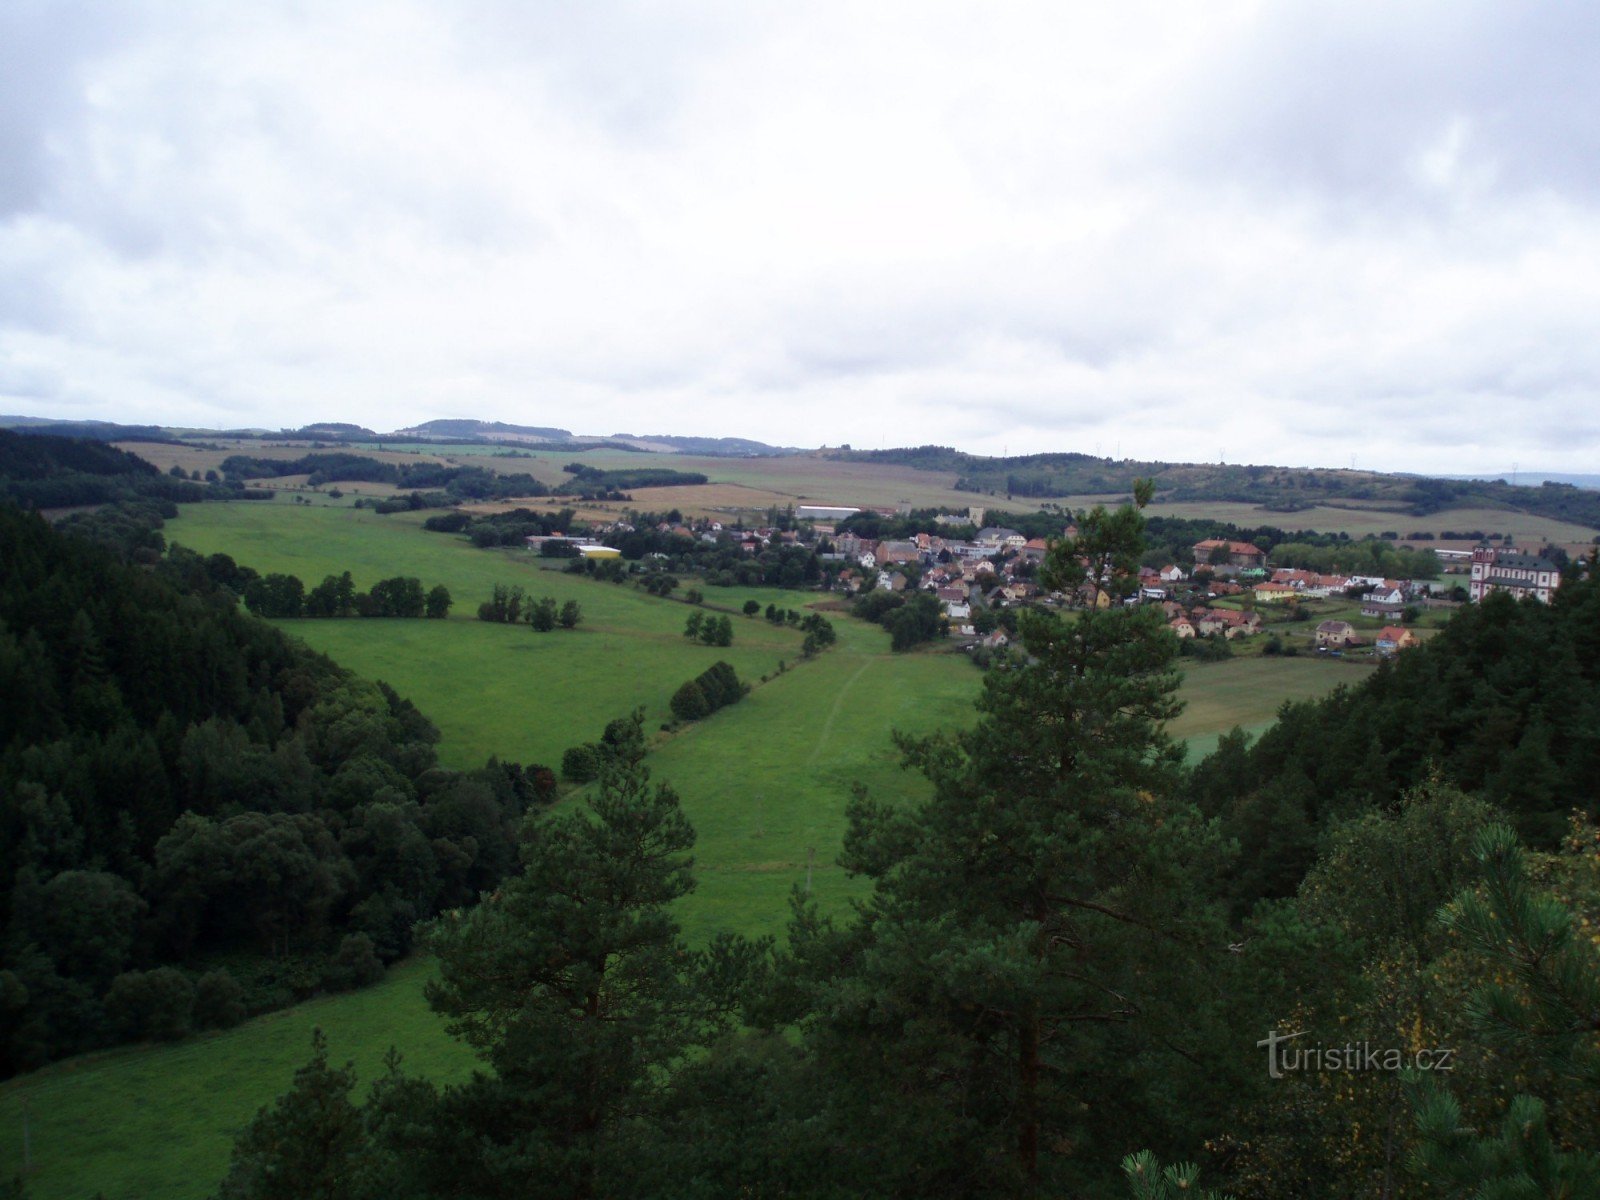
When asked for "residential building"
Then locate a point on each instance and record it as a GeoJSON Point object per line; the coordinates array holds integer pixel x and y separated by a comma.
{"type": "Point", "coordinates": [1511, 571]}
{"type": "Point", "coordinates": [1214, 553]}
{"type": "Point", "coordinates": [1335, 635]}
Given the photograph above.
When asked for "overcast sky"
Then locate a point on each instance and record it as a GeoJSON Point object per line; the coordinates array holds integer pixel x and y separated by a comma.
{"type": "Point", "coordinates": [1289, 233]}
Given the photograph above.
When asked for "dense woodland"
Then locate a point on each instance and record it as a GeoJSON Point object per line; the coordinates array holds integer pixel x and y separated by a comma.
{"type": "Point", "coordinates": [1062, 978]}
{"type": "Point", "coordinates": [203, 818]}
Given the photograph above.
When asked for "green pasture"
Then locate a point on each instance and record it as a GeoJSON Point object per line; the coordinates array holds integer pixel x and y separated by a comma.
{"type": "Point", "coordinates": [158, 1122]}
{"type": "Point", "coordinates": [1248, 692]}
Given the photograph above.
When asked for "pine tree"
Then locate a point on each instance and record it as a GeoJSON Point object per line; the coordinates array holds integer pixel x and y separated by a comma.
{"type": "Point", "coordinates": [1041, 904]}
{"type": "Point", "coordinates": [1543, 1008]}
{"type": "Point", "coordinates": [574, 985]}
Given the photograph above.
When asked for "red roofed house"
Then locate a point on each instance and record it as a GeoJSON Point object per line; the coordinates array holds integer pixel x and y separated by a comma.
{"type": "Point", "coordinates": [1214, 552]}
{"type": "Point", "coordinates": [1394, 638]}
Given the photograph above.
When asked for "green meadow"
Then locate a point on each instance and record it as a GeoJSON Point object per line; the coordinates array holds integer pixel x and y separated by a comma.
{"type": "Point", "coordinates": [765, 784]}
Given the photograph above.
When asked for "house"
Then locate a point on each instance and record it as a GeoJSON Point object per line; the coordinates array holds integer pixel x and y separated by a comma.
{"type": "Point", "coordinates": [1394, 638]}
{"type": "Point", "coordinates": [897, 552]}
{"type": "Point", "coordinates": [998, 535]}
{"type": "Point", "coordinates": [1511, 571]}
{"type": "Point", "coordinates": [1238, 624]}
{"type": "Point", "coordinates": [1182, 626]}
{"type": "Point", "coordinates": [1172, 574]}
{"type": "Point", "coordinates": [1335, 635]}
{"type": "Point", "coordinates": [1214, 553]}
{"type": "Point", "coordinates": [1383, 610]}
{"type": "Point", "coordinates": [1274, 593]}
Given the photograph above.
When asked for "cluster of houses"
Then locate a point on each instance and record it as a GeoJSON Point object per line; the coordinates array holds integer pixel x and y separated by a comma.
{"type": "Point", "coordinates": [998, 564]}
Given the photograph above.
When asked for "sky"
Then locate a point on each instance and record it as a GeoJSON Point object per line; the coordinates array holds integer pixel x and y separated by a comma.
{"type": "Point", "coordinates": [1295, 233]}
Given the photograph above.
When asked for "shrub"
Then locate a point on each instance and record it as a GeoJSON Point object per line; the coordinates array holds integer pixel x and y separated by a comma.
{"type": "Point", "coordinates": [157, 1005]}
{"type": "Point", "coordinates": [354, 965]}
{"type": "Point", "coordinates": [218, 1000]}
{"type": "Point", "coordinates": [580, 763]}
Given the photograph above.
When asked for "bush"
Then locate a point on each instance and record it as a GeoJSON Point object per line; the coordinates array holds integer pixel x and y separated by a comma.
{"type": "Point", "coordinates": [156, 1005]}
{"type": "Point", "coordinates": [355, 964]}
{"type": "Point", "coordinates": [580, 763]}
{"type": "Point", "coordinates": [689, 702]}
{"type": "Point", "coordinates": [218, 1000]}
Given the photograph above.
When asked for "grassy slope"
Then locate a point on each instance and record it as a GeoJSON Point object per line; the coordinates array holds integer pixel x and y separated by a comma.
{"type": "Point", "coordinates": [764, 783]}
{"type": "Point", "coordinates": [158, 1122]}
{"type": "Point", "coordinates": [491, 689]}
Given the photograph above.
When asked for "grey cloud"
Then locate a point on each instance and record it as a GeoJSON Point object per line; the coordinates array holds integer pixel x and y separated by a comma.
{"type": "Point", "coordinates": [1344, 99]}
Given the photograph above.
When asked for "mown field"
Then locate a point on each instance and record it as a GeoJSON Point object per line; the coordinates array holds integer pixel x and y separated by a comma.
{"type": "Point", "coordinates": [765, 784]}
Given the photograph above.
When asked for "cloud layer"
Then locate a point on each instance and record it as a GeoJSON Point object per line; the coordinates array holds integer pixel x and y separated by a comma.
{"type": "Point", "coordinates": [1298, 234]}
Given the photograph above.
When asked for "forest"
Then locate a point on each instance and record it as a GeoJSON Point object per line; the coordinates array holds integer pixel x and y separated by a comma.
{"type": "Point", "coordinates": [205, 819]}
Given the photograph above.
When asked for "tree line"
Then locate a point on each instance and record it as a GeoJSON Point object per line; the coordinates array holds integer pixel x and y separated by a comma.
{"type": "Point", "coordinates": [281, 595]}
{"type": "Point", "coordinates": [509, 605]}
{"type": "Point", "coordinates": [714, 688]}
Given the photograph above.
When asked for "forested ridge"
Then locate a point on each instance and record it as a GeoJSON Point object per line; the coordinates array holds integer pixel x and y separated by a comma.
{"type": "Point", "coordinates": [1284, 489]}
{"type": "Point", "coordinates": [204, 818]}
{"type": "Point", "coordinates": [40, 470]}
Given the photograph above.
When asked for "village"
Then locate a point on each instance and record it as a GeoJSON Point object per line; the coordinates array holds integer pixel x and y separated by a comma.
{"type": "Point", "coordinates": [1228, 593]}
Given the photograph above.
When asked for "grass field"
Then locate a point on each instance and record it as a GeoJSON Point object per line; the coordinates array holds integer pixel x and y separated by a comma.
{"type": "Point", "coordinates": [765, 784]}
{"type": "Point", "coordinates": [157, 1123]}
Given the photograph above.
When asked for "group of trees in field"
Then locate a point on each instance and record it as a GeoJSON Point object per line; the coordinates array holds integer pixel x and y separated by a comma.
{"type": "Point", "coordinates": [714, 688]}
{"type": "Point", "coordinates": [1060, 976]}
{"type": "Point", "coordinates": [509, 605]}
{"type": "Point", "coordinates": [622, 741]}
{"type": "Point", "coordinates": [910, 619]}
{"type": "Point", "coordinates": [277, 594]}
{"type": "Point", "coordinates": [202, 817]}
{"type": "Point", "coordinates": [709, 629]}
{"type": "Point", "coordinates": [452, 485]}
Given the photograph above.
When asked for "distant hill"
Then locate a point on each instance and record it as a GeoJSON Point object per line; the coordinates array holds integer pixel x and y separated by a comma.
{"type": "Point", "coordinates": [468, 430]}
{"type": "Point", "coordinates": [332, 431]}
{"type": "Point", "coordinates": [99, 431]}
{"type": "Point", "coordinates": [725, 447]}
{"type": "Point", "coordinates": [42, 470]}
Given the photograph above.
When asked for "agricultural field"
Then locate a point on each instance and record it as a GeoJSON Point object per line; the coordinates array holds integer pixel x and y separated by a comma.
{"type": "Point", "coordinates": [765, 783]}
{"type": "Point", "coordinates": [1248, 692]}
{"type": "Point", "coordinates": [749, 486]}
{"type": "Point", "coordinates": [1358, 522]}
